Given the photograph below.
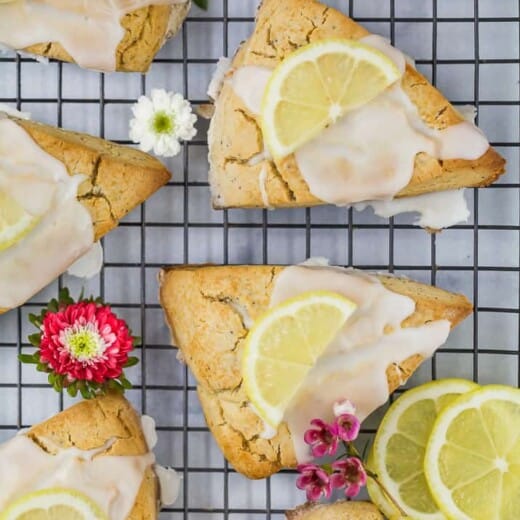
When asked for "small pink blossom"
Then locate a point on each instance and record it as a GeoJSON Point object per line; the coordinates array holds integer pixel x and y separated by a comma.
{"type": "Point", "coordinates": [349, 474]}
{"type": "Point", "coordinates": [344, 407]}
{"type": "Point", "coordinates": [315, 481]}
{"type": "Point", "coordinates": [322, 438]}
{"type": "Point", "coordinates": [347, 427]}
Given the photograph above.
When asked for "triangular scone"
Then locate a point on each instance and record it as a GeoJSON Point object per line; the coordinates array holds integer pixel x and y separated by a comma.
{"type": "Point", "coordinates": [89, 425]}
{"type": "Point", "coordinates": [146, 31]}
{"type": "Point", "coordinates": [119, 178]}
{"type": "Point", "coordinates": [239, 179]}
{"type": "Point", "coordinates": [205, 308]}
{"type": "Point", "coordinates": [337, 511]}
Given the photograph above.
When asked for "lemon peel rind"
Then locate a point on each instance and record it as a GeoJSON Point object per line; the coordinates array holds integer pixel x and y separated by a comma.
{"type": "Point", "coordinates": [440, 493]}
{"type": "Point", "coordinates": [272, 416]}
{"type": "Point", "coordinates": [388, 427]}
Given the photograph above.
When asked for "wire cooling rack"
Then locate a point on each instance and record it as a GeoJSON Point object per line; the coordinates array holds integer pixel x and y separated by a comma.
{"type": "Point", "coordinates": [469, 48]}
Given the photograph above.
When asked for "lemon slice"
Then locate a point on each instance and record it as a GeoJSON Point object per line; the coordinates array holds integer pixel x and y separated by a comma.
{"type": "Point", "coordinates": [472, 461]}
{"type": "Point", "coordinates": [283, 346]}
{"type": "Point", "coordinates": [15, 222]}
{"type": "Point", "coordinates": [316, 85]}
{"type": "Point", "coordinates": [398, 452]}
{"type": "Point", "coordinates": [53, 504]}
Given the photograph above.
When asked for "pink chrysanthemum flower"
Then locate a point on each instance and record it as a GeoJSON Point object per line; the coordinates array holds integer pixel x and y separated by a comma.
{"type": "Point", "coordinates": [85, 342]}
{"type": "Point", "coordinates": [349, 474]}
{"type": "Point", "coordinates": [315, 481]}
{"type": "Point", "coordinates": [322, 438]}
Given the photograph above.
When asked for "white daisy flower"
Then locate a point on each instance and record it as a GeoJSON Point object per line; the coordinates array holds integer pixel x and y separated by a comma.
{"type": "Point", "coordinates": [161, 121]}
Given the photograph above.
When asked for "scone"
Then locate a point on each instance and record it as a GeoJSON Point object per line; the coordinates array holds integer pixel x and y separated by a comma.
{"type": "Point", "coordinates": [244, 174]}
{"type": "Point", "coordinates": [210, 310]}
{"type": "Point", "coordinates": [102, 35]}
{"type": "Point", "coordinates": [337, 511]}
{"type": "Point", "coordinates": [107, 435]}
{"type": "Point", "coordinates": [66, 190]}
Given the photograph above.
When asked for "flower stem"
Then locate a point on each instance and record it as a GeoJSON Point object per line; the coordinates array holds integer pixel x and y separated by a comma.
{"type": "Point", "coordinates": [353, 452]}
{"type": "Point", "coordinates": [385, 491]}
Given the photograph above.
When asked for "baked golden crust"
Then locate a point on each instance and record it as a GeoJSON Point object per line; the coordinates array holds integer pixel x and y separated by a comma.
{"type": "Point", "coordinates": [119, 178]}
{"type": "Point", "coordinates": [235, 136]}
{"type": "Point", "coordinates": [146, 30]}
{"type": "Point", "coordinates": [89, 425]}
{"type": "Point", "coordinates": [338, 511]}
{"type": "Point", "coordinates": [203, 309]}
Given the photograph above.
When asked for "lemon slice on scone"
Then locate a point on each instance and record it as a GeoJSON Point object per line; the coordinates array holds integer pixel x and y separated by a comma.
{"type": "Point", "coordinates": [398, 452]}
{"type": "Point", "coordinates": [316, 85]}
{"type": "Point", "coordinates": [53, 504]}
{"type": "Point", "coordinates": [472, 461]}
{"type": "Point", "coordinates": [285, 343]}
{"type": "Point", "coordinates": [15, 221]}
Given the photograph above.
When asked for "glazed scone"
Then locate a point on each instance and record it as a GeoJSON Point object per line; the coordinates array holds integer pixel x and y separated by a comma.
{"type": "Point", "coordinates": [146, 29]}
{"type": "Point", "coordinates": [90, 425]}
{"type": "Point", "coordinates": [336, 511]}
{"type": "Point", "coordinates": [240, 173]}
{"type": "Point", "coordinates": [209, 310]}
{"type": "Point", "coordinates": [119, 178]}
{"type": "Point", "coordinates": [116, 178]}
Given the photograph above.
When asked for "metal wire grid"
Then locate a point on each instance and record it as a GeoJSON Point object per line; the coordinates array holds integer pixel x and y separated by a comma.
{"type": "Point", "coordinates": [480, 258]}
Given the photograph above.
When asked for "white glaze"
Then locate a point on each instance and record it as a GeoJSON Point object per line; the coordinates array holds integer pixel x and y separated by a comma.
{"type": "Point", "coordinates": [437, 210]}
{"type": "Point", "coordinates": [111, 481]}
{"type": "Point", "coordinates": [354, 364]}
{"type": "Point", "coordinates": [217, 80]}
{"type": "Point", "coordinates": [369, 154]}
{"type": "Point", "coordinates": [90, 31]}
{"type": "Point", "coordinates": [88, 265]}
{"type": "Point", "coordinates": [262, 179]}
{"type": "Point", "coordinates": [42, 185]}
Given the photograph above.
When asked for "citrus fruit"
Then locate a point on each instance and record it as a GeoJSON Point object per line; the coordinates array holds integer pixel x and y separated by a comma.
{"type": "Point", "coordinates": [53, 504]}
{"type": "Point", "coordinates": [472, 461]}
{"type": "Point", "coordinates": [15, 221]}
{"type": "Point", "coordinates": [316, 85]}
{"type": "Point", "coordinates": [399, 447]}
{"type": "Point", "coordinates": [285, 343]}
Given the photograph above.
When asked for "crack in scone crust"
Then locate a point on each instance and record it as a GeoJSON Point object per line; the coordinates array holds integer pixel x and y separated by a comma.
{"type": "Point", "coordinates": [201, 310]}
{"type": "Point", "coordinates": [146, 30]}
{"type": "Point", "coordinates": [118, 178]}
{"type": "Point", "coordinates": [281, 28]}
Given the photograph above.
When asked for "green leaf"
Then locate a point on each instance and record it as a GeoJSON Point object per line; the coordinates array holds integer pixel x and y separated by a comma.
{"type": "Point", "coordinates": [136, 340]}
{"type": "Point", "coordinates": [72, 390]}
{"type": "Point", "coordinates": [28, 358]}
{"type": "Point", "coordinates": [203, 4]}
{"type": "Point", "coordinates": [35, 320]}
{"type": "Point", "coordinates": [132, 361]}
{"type": "Point", "coordinates": [58, 383]}
{"type": "Point", "coordinates": [126, 384]}
{"type": "Point", "coordinates": [35, 339]}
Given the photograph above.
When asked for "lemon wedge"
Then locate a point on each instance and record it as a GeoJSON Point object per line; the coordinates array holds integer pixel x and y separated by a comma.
{"type": "Point", "coordinates": [397, 456]}
{"type": "Point", "coordinates": [53, 504]}
{"type": "Point", "coordinates": [316, 85]}
{"type": "Point", "coordinates": [284, 345]}
{"type": "Point", "coordinates": [15, 221]}
{"type": "Point", "coordinates": [472, 461]}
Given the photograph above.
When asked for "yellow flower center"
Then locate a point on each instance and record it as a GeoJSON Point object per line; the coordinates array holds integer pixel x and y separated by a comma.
{"type": "Point", "coordinates": [163, 123]}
